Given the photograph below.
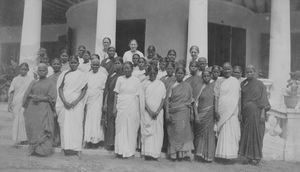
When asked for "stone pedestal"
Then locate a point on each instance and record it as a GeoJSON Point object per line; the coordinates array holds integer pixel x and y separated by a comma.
{"type": "Point", "coordinates": [288, 120]}
{"type": "Point", "coordinates": [292, 146]}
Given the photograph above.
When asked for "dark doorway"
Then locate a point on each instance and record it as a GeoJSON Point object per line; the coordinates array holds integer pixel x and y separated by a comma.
{"type": "Point", "coordinates": [127, 30]}
{"type": "Point", "coordinates": [226, 44]}
{"type": "Point", "coordinates": [54, 48]}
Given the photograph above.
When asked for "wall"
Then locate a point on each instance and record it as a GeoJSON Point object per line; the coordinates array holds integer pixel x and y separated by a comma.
{"type": "Point", "coordinates": [82, 19]}
{"type": "Point", "coordinates": [50, 33]}
{"type": "Point", "coordinates": [166, 23]}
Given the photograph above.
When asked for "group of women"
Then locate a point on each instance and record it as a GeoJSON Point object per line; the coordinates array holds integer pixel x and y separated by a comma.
{"type": "Point", "coordinates": [151, 104]}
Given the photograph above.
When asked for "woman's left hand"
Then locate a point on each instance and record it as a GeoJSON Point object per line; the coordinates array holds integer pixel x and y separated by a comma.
{"type": "Point", "coordinates": [35, 98]}
{"type": "Point", "coordinates": [73, 104]}
{"type": "Point", "coordinates": [10, 107]}
{"type": "Point", "coordinates": [263, 116]}
{"type": "Point", "coordinates": [154, 115]}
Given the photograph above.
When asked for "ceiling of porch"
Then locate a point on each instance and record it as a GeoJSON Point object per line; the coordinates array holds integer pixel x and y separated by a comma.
{"type": "Point", "coordinates": [11, 11]}
{"type": "Point", "coordinates": [262, 6]}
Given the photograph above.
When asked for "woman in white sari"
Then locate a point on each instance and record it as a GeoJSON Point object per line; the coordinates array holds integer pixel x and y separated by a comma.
{"type": "Point", "coordinates": [152, 119]}
{"type": "Point", "coordinates": [227, 93]}
{"type": "Point", "coordinates": [16, 93]}
{"type": "Point", "coordinates": [128, 108]}
{"type": "Point", "coordinates": [93, 132]}
{"type": "Point", "coordinates": [72, 87]}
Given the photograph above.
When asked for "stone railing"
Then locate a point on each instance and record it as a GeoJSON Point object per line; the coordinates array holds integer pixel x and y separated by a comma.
{"type": "Point", "coordinates": [282, 136]}
{"type": "Point", "coordinates": [268, 83]}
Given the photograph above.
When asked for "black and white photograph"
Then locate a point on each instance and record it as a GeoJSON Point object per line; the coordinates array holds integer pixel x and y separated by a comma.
{"type": "Point", "coordinates": [149, 85]}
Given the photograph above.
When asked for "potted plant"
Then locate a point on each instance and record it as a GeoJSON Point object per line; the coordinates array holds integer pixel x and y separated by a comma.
{"type": "Point", "coordinates": [7, 73]}
{"type": "Point", "coordinates": [293, 90]}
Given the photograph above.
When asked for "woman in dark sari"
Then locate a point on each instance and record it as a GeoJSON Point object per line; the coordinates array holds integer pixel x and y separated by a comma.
{"type": "Point", "coordinates": [178, 109]}
{"type": "Point", "coordinates": [56, 65]}
{"type": "Point", "coordinates": [39, 102]}
{"type": "Point", "coordinates": [196, 84]}
{"type": "Point", "coordinates": [195, 80]}
{"type": "Point", "coordinates": [108, 63]}
{"type": "Point", "coordinates": [204, 127]}
{"type": "Point", "coordinates": [108, 117]}
{"type": "Point", "coordinates": [254, 106]}
{"type": "Point", "coordinates": [168, 80]}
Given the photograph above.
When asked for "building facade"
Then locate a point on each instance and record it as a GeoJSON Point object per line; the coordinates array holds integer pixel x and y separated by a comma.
{"type": "Point", "coordinates": [265, 33]}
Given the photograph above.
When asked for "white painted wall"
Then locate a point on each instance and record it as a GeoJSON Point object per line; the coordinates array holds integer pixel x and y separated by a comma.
{"type": "Point", "coordinates": [50, 33]}
{"type": "Point", "coordinates": [82, 19]}
{"type": "Point", "coordinates": [166, 24]}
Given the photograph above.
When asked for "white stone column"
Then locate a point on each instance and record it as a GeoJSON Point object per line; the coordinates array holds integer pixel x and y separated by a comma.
{"type": "Point", "coordinates": [280, 49]}
{"type": "Point", "coordinates": [197, 27]}
{"type": "Point", "coordinates": [31, 31]}
{"type": "Point", "coordinates": [106, 23]}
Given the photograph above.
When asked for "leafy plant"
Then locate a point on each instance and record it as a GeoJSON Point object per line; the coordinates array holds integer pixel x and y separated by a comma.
{"type": "Point", "coordinates": [7, 73]}
{"type": "Point", "coordinates": [293, 83]}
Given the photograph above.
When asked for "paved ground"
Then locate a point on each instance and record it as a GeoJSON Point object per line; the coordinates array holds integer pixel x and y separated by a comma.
{"type": "Point", "coordinates": [15, 160]}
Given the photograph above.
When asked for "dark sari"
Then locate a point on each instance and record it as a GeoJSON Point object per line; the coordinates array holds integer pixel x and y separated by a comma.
{"type": "Point", "coordinates": [254, 99]}
{"type": "Point", "coordinates": [109, 117]}
{"type": "Point", "coordinates": [204, 130]}
{"type": "Point", "coordinates": [108, 64]}
{"type": "Point", "coordinates": [196, 83]}
{"type": "Point", "coordinates": [39, 117]}
{"type": "Point", "coordinates": [168, 81]}
{"type": "Point", "coordinates": [56, 138]}
{"type": "Point", "coordinates": [179, 130]}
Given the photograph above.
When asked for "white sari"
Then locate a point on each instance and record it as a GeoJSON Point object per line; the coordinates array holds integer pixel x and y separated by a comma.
{"type": "Point", "coordinates": [71, 120]}
{"type": "Point", "coordinates": [19, 86]}
{"type": "Point", "coordinates": [152, 130]}
{"type": "Point", "coordinates": [93, 132]}
{"type": "Point", "coordinates": [85, 67]}
{"type": "Point", "coordinates": [227, 92]}
{"type": "Point", "coordinates": [140, 74]}
{"type": "Point", "coordinates": [161, 74]}
{"type": "Point", "coordinates": [129, 102]}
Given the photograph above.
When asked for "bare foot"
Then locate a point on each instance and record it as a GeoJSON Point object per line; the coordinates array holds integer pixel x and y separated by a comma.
{"type": "Point", "coordinates": [16, 145]}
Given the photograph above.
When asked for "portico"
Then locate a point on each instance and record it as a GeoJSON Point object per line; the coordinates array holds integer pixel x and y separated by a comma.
{"type": "Point", "coordinates": [244, 32]}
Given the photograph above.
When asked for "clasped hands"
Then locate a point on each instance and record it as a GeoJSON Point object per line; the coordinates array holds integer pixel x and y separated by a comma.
{"type": "Point", "coordinates": [70, 105]}
{"type": "Point", "coordinates": [36, 98]}
{"type": "Point", "coordinates": [152, 114]}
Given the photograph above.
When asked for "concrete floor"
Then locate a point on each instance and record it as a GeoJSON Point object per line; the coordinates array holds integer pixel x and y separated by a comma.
{"type": "Point", "coordinates": [15, 160]}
